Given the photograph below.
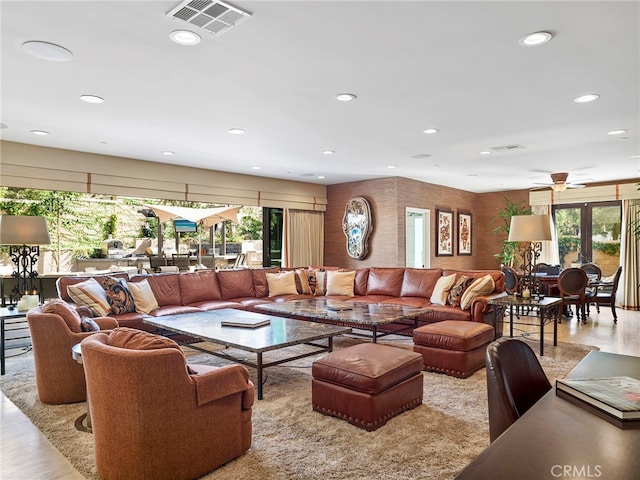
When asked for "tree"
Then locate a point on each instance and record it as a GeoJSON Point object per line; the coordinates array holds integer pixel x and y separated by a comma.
{"type": "Point", "coordinates": [507, 255]}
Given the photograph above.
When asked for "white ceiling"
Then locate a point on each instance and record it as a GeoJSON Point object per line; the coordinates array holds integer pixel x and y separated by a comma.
{"type": "Point", "coordinates": [452, 65]}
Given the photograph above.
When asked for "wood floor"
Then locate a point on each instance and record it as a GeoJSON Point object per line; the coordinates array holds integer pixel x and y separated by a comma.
{"type": "Point", "coordinates": [27, 454]}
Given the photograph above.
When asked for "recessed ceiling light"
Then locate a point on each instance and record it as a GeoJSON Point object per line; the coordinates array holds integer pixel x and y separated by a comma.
{"type": "Point", "coordinates": [39, 132]}
{"type": "Point", "coordinates": [47, 51]}
{"type": "Point", "coordinates": [616, 132]}
{"type": "Point", "coordinates": [392, 166]}
{"type": "Point", "coordinates": [255, 167]}
{"type": "Point", "coordinates": [168, 153]}
{"type": "Point", "coordinates": [321, 177]}
{"type": "Point", "coordinates": [587, 98]}
{"type": "Point", "coordinates": [185, 37]}
{"type": "Point", "coordinates": [91, 99]}
{"type": "Point", "coordinates": [328, 152]}
{"type": "Point", "coordinates": [485, 152]}
{"type": "Point", "coordinates": [431, 131]}
{"type": "Point", "coordinates": [345, 97]}
{"type": "Point", "coordinates": [635, 156]}
{"type": "Point", "coordinates": [236, 131]}
{"type": "Point", "coordinates": [534, 39]}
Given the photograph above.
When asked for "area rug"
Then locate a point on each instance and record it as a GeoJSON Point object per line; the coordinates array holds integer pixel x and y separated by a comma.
{"type": "Point", "coordinates": [290, 441]}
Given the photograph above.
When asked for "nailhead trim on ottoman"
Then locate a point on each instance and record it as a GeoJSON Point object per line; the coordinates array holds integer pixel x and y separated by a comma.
{"type": "Point", "coordinates": [367, 384]}
{"type": "Point", "coordinates": [454, 347]}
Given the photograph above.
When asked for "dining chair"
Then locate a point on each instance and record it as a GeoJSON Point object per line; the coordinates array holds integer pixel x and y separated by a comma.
{"type": "Point", "coordinates": [594, 274]}
{"type": "Point", "coordinates": [572, 283]}
{"type": "Point", "coordinates": [157, 261]}
{"type": "Point", "coordinates": [606, 294]}
{"type": "Point", "coordinates": [511, 281]}
{"type": "Point", "coordinates": [515, 381]}
{"type": "Point", "coordinates": [181, 261]}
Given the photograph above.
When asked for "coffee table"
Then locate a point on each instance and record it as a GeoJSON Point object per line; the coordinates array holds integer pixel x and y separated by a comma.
{"type": "Point", "coordinates": [368, 316]}
{"type": "Point", "coordinates": [279, 334]}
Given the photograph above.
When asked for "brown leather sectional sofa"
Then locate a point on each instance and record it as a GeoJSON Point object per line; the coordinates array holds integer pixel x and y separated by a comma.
{"type": "Point", "coordinates": [208, 290]}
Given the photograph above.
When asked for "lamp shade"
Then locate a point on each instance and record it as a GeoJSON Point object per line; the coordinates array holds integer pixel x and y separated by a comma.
{"type": "Point", "coordinates": [23, 230]}
{"type": "Point", "coordinates": [530, 228]}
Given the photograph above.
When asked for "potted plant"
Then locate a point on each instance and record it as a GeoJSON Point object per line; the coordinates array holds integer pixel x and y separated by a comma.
{"type": "Point", "coordinates": [506, 256]}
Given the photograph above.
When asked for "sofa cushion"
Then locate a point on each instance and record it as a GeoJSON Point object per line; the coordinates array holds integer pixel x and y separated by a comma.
{"type": "Point", "coordinates": [199, 286]}
{"type": "Point", "coordinates": [497, 275]}
{"type": "Point", "coordinates": [360, 282]}
{"type": "Point", "coordinates": [480, 286]}
{"type": "Point", "coordinates": [143, 296]}
{"type": "Point", "coordinates": [66, 311]}
{"type": "Point", "coordinates": [441, 290]}
{"type": "Point", "coordinates": [260, 286]}
{"type": "Point", "coordinates": [385, 281]}
{"type": "Point", "coordinates": [340, 283]}
{"type": "Point", "coordinates": [166, 288]}
{"type": "Point", "coordinates": [282, 283]}
{"type": "Point", "coordinates": [459, 287]}
{"type": "Point", "coordinates": [420, 282]}
{"type": "Point", "coordinates": [88, 324]}
{"type": "Point", "coordinates": [118, 295]}
{"type": "Point", "coordinates": [90, 294]}
{"type": "Point", "coordinates": [236, 283]}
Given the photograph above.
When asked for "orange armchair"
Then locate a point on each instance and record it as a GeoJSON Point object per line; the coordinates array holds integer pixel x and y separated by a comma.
{"type": "Point", "coordinates": [56, 327]}
{"type": "Point", "coordinates": [156, 418]}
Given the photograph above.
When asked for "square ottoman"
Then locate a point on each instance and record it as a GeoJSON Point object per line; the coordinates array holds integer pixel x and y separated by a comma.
{"type": "Point", "coordinates": [454, 347]}
{"type": "Point", "coordinates": [367, 384]}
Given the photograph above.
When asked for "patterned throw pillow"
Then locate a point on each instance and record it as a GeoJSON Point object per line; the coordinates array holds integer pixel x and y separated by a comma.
{"type": "Point", "coordinates": [480, 286]}
{"type": "Point", "coordinates": [89, 325]}
{"type": "Point", "coordinates": [456, 292]}
{"type": "Point", "coordinates": [90, 294]}
{"type": "Point", "coordinates": [118, 295]}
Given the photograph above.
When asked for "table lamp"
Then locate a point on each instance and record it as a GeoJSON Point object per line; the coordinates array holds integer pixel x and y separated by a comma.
{"type": "Point", "coordinates": [532, 229]}
{"type": "Point", "coordinates": [23, 235]}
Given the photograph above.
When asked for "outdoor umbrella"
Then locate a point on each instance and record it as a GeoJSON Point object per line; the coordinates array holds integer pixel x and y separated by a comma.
{"type": "Point", "coordinates": [203, 217]}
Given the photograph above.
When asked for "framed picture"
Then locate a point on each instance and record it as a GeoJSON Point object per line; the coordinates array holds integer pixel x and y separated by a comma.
{"type": "Point", "coordinates": [464, 233]}
{"type": "Point", "coordinates": [444, 233]}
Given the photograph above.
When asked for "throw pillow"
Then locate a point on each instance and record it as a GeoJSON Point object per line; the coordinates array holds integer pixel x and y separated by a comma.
{"type": "Point", "coordinates": [90, 294]}
{"type": "Point", "coordinates": [455, 294]}
{"type": "Point", "coordinates": [282, 283]}
{"type": "Point", "coordinates": [89, 325]}
{"type": "Point", "coordinates": [307, 281]}
{"type": "Point", "coordinates": [480, 286]}
{"type": "Point", "coordinates": [340, 283]}
{"type": "Point", "coordinates": [143, 297]}
{"type": "Point", "coordinates": [320, 283]}
{"type": "Point", "coordinates": [441, 290]}
{"type": "Point", "coordinates": [118, 295]}
{"type": "Point", "coordinates": [66, 311]}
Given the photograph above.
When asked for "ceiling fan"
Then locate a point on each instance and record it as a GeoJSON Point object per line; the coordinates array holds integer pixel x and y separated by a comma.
{"type": "Point", "coordinates": [559, 182]}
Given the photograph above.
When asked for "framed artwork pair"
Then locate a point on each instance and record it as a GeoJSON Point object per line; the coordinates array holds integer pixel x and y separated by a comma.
{"type": "Point", "coordinates": [445, 231]}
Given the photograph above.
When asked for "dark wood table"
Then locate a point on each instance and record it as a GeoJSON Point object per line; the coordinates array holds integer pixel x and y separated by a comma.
{"type": "Point", "coordinates": [557, 439]}
{"type": "Point", "coordinates": [279, 334]}
{"type": "Point", "coordinates": [364, 315]}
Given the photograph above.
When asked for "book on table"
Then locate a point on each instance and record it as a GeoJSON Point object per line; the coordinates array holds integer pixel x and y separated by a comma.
{"type": "Point", "coordinates": [616, 399]}
{"type": "Point", "coordinates": [336, 306]}
{"type": "Point", "coordinates": [253, 320]}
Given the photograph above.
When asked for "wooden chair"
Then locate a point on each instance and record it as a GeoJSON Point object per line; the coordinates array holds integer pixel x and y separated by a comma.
{"type": "Point", "coordinates": [181, 261]}
{"type": "Point", "coordinates": [511, 281]}
{"type": "Point", "coordinates": [594, 274]}
{"type": "Point", "coordinates": [515, 381]}
{"type": "Point", "coordinates": [606, 294]}
{"type": "Point", "coordinates": [572, 284]}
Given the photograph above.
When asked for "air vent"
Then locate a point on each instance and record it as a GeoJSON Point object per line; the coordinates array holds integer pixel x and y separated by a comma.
{"type": "Point", "coordinates": [211, 15]}
{"type": "Point", "coordinates": [506, 148]}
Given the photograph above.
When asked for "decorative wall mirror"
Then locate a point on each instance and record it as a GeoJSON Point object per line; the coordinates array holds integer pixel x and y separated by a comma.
{"type": "Point", "coordinates": [357, 226]}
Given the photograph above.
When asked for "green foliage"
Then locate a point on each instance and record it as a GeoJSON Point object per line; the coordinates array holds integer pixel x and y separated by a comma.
{"type": "Point", "coordinates": [250, 228]}
{"type": "Point", "coordinates": [110, 227]}
{"type": "Point", "coordinates": [608, 248]}
{"type": "Point", "coordinates": [566, 245]}
{"type": "Point", "coordinates": [507, 255]}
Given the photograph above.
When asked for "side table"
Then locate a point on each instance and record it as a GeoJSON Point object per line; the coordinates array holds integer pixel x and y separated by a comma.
{"type": "Point", "coordinates": [19, 318]}
{"type": "Point", "coordinates": [544, 306]}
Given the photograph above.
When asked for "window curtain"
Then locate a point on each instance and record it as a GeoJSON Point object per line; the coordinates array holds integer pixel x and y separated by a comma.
{"type": "Point", "coordinates": [628, 289]}
{"type": "Point", "coordinates": [303, 238]}
{"type": "Point", "coordinates": [550, 251]}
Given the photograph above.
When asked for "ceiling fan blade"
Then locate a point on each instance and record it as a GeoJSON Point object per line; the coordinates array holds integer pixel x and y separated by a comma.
{"type": "Point", "coordinates": [575, 185]}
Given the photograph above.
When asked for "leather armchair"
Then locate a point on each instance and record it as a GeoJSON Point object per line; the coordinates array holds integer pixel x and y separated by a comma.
{"type": "Point", "coordinates": [515, 381]}
{"type": "Point", "coordinates": [156, 418]}
{"type": "Point", "coordinates": [55, 328]}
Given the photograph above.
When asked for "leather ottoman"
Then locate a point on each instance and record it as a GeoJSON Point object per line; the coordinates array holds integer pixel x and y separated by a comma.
{"type": "Point", "coordinates": [454, 347]}
{"type": "Point", "coordinates": [367, 384]}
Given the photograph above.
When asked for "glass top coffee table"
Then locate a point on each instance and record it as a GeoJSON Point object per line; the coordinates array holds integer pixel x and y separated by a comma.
{"type": "Point", "coordinates": [368, 316]}
{"type": "Point", "coordinates": [278, 334]}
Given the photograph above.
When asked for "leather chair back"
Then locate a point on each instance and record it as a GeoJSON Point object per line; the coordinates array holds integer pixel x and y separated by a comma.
{"type": "Point", "coordinates": [515, 381]}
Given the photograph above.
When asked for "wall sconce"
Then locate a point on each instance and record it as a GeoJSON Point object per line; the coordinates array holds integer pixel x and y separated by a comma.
{"type": "Point", "coordinates": [23, 235]}
{"type": "Point", "coordinates": [532, 229]}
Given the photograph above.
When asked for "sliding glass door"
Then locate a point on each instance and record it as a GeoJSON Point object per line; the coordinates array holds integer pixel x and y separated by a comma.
{"type": "Point", "coordinates": [589, 233]}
